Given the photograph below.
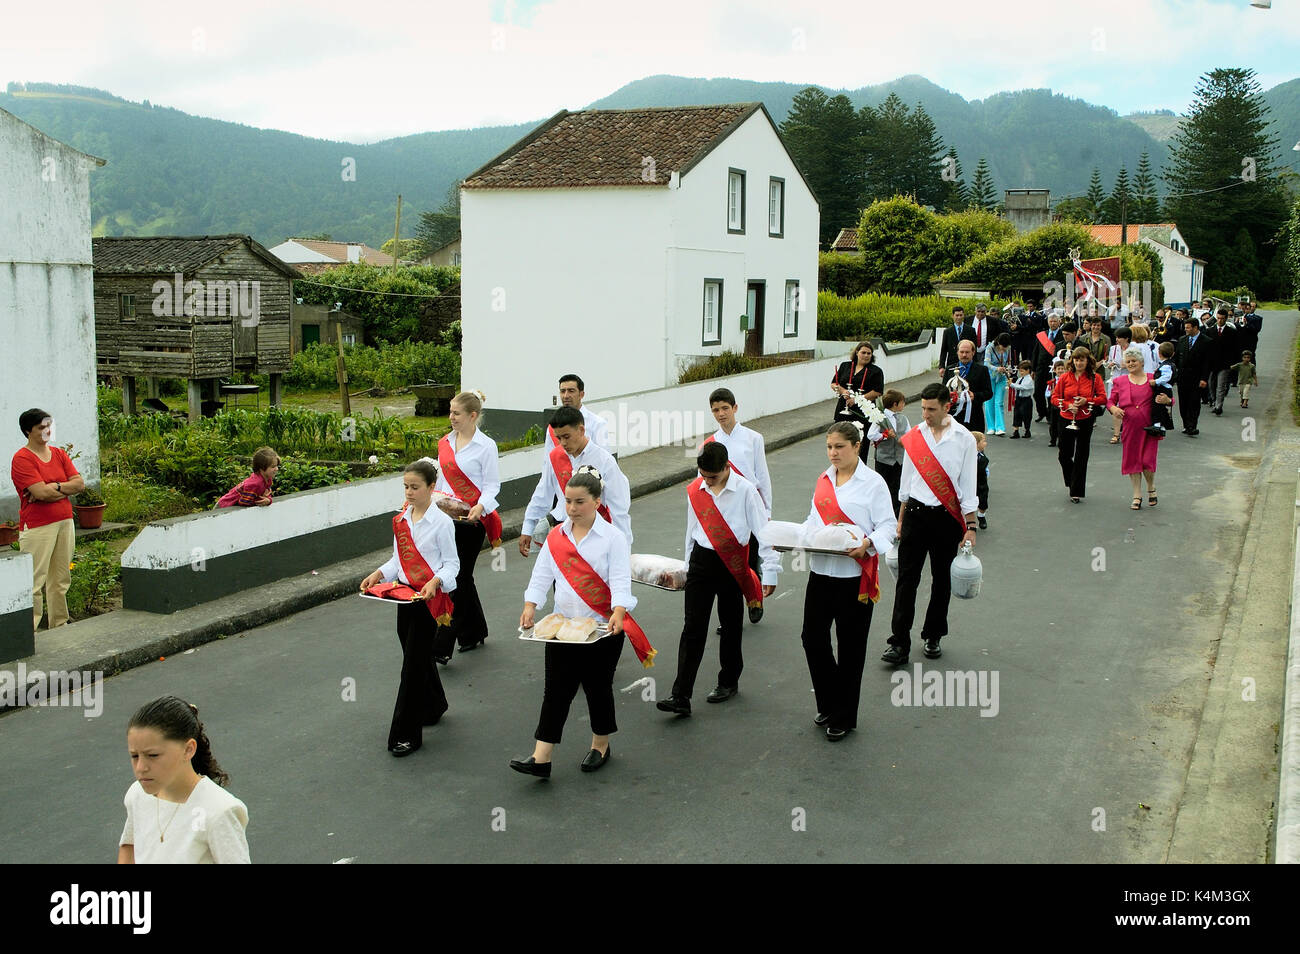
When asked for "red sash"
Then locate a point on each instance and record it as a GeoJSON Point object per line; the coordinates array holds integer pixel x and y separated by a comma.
{"type": "Point", "coordinates": [828, 508]}
{"type": "Point", "coordinates": [734, 556]}
{"type": "Point", "coordinates": [1045, 340]}
{"type": "Point", "coordinates": [932, 472]}
{"type": "Point", "coordinates": [563, 471]}
{"type": "Point", "coordinates": [466, 490]}
{"type": "Point", "coordinates": [418, 572]}
{"type": "Point", "coordinates": [595, 593]}
{"type": "Point", "coordinates": [709, 440]}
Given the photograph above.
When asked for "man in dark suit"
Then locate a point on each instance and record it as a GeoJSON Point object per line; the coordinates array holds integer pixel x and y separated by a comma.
{"type": "Point", "coordinates": [1192, 355]}
{"type": "Point", "coordinates": [970, 413]}
{"type": "Point", "coordinates": [1042, 359]}
{"type": "Point", "coordinates": [952, 335]}
{"type": "Point", "coordinates": [1225, 353]}
{"type": "Point", "coordinates": [986, 329]}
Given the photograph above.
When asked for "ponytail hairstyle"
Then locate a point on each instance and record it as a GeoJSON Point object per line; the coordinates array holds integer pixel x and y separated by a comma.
{"type": "Point", "coordinates": [178, 720]}
{"type": "Point", "coordinates": [425, 467]}
{"type": "Point", "coordinates": [589, 479]}
{"type": "Point", "coordinates": [851, 431]}
{"type": "Point", "coordinates": [471, 402]}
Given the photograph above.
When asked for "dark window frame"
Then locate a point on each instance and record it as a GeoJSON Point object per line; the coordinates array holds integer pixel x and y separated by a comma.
{"type": "Point", "coordinates": [795, 310]}
{"type": "Point", "coordinates": [704, 304]}
{"type": "Point", "coordinates": [780, 233]}
{"type": "Point", "coordinates": [743, 186]}
{"type": "Point", "coordinates": [126, 310]}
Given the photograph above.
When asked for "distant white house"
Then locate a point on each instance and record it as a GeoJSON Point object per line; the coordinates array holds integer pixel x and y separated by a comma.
{"type": "Point", "coordinates": [47, 317]}
{"type": "Point", "coordinates": [624, 245]}
{"type": "Point", "coordinates": [448, 254]}
{"type": "Point", "coordinates": [314, 255]}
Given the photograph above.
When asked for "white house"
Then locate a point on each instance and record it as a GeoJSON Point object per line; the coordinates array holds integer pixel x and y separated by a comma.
{"type": "Point", "coordinates": [1182, 275]}
{"type": "Point", "coordinates": [623, 245]}
{"type": "Point", "coordinates": [47, 317]}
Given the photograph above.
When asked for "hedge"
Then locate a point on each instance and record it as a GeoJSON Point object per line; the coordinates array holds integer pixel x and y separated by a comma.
{"type": "Point", "coordinates": [390, 367]}
{"type": "Point", "coordinates": [889, 317]}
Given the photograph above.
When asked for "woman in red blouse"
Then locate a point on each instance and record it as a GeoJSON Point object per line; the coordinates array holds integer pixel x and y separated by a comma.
{"type": "Point", "coordinates": [1078, 392]}
{"type": "Point", "coordinates": [45, 479]}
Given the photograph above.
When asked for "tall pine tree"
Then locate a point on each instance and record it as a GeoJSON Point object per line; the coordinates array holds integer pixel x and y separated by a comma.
{"type": "Point", "coordinates": [957, 195]}
{"type": "Point", "coordinates": [982, 195]}
{"type": "Point", "coordinates": [1146, 206]}
{"type": "Point", "coordinates": [1118, 207]}
{"type": "Point", "coordinates": [1221, 179]}
{"type": "Point", "coordinates": [824, 136]}
{"type": "Point", "coordinates": [1096, 195]}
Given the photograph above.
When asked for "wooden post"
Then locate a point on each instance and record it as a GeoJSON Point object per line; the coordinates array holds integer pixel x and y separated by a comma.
{"type": "Point", "coordinates": [342, 375]}
{"type": "Point", "coordinates": [397, 232]}
{"type": "Point", "coordinates": [128, 395]}
{"type": "Point", "coordinates": [195, 388]}
{"type": "Point", "coordinates": [275, 395]}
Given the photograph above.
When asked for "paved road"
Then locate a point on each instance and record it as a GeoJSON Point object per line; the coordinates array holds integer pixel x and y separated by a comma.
{"type": "Point", "coordinates": [1102, 675]}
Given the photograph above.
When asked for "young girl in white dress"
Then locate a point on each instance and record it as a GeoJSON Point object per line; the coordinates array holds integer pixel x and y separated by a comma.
{"type": "Point", "coordinates": [178, 811]}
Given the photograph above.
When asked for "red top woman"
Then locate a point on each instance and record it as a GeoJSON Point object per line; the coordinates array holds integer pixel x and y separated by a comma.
{"type": "Point", "coordinates": [1077, 393]}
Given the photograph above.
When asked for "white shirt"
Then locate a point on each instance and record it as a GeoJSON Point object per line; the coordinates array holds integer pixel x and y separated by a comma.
{"type": "Point", "coordinates": [477, 460]}
{"type": "Point", "coordinates": [956, 453]}
{"type": "Point", "coordinates": [981, 326]}
{"type": "Point", "coordinates": [435, 538]}
{"type": "Point", "coordinates": [745, 449]}
{"type": "Point", "coordinates": [597, 430]}
{"type": "Point", "coordinates": [606, 551]}
{"type": "Point", "coordinates": [742, 508]}
{"type": "Point", "coordinates": [864, 498]}
{"type": "Point", "coordinates": [207, 829]}
{"type": "Point", "coordinates": [1023, 385]}
{"type": "Point", "coordinates": [617, 496]}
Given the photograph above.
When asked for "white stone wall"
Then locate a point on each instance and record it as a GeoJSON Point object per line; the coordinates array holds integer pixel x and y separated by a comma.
{"type": "Point", "coordinates": [15, 582]}
{"type": "Point", "coordinates": [47, 321]}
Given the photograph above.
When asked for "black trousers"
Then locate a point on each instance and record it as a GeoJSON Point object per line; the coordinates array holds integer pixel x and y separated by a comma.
{"type": "Point", "coordinates": [1073, 454]}
{"type": "Point", "coordinates": [927, 532]}
{"type": "Point", "coordinates": [1054, 423]}
{"type": "Point", "coordinates": [468, 624]}
{"type": "Point", "coordinates": [1023, 413]}
{"type": "Point", "coordinates": [707, 578]}
{"type": "Point", "coordinates": [1189, 404]}
{"type": "Point", "coordinates": [892, 473]}
{"type": "Point", "coordinates": [836, 683]}
{"type": "Point", "coordinates": [1040, 394]}
{"type": "Point", "coordinates": [420, 697]}
{"type": "Point", "coordinates": [567, 669]}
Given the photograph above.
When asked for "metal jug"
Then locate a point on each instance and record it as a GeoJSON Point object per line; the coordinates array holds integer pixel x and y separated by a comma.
{"type": "Point", "coordinates": [967, 574]}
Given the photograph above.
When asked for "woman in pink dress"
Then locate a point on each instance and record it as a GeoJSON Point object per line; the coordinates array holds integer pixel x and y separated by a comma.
{"type": "Point", "coordinates": [1131, 401]}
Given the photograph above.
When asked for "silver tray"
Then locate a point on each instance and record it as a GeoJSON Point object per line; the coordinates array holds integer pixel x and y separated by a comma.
{"type": "Point", "coordinates": [381, 599]}
{"type": "Point", "coordinates": [601, 632]}
{"type": "Point", "coordinates": [670, 589]}
{"type": "Point", "coordinates": [811, 550]}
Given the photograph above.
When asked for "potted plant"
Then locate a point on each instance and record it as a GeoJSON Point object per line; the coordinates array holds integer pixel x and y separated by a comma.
{"type": "Point", "coordinates": [89, 509]}
{"type": "Point", "coordinates": [8, 533]}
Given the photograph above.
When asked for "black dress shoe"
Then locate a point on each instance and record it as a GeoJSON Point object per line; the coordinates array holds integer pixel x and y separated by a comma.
{"type": "Point", "coordinates": [442, 660]}
{"type": "Point", "coordinates": [895, 656]}
{"type": "Point", "coordinates": [402, 749]}
{"type": "Point", "coordinates": [835, 735]}
{"type": "Point", "coordinates": [594, 760]}
{"type": "Point", "coordinates": [722, 693]}
{"type": "Point", "coordinates": [673, 704]}
{"type": "Point", "coordinates": [1194, 432]}
{"type": "Point", "coordinates": [529, 767]}
{"type": "Point", "coordinates": [931, 649]}
{"type": "Point", "coordinates": [473, 646]}
{"type": "Point", "coordinates": [984, 524]}
{"type": "Point", "coordinates": [822, 720]}
{"type": "Point", "coordinates": [755, 613]}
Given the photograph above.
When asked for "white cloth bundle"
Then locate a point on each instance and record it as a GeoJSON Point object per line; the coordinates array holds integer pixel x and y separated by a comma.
{"type": "Point", "coordinates": [658, 570]}
{"type": "Point", "coordinates": [836, 536]}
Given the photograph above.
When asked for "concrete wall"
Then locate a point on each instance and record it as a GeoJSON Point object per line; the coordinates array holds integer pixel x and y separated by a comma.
{"type": "Point", "coordinates": [189, 560]}
{"type": "Point", "coordinates": [47, 319]}
{"type": "Point", "coordinates": [16, 637]}
{"type": "Point", "coordinates": [559, 280]}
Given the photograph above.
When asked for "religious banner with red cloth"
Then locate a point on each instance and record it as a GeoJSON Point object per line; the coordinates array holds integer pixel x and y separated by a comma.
{"type": "Point", "coordinates": [734, 556]}
{"type": "Point", "coordinates": [932, 472]}
{"type": "Point", "coordinates": [466, 490]}
{"type": "Point", "coordinates": [563, 467]}
{"type": "Point", "coordinates": [595, 592]}
{"type": "Point", "coordinates": [418, 571]}
{"type": "Point", "coordinates": [828, 508]}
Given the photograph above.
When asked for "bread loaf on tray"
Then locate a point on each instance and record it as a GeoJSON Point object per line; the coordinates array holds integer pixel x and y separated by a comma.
{"type": "Point", "coordinates": [548, 626]}
{"type": "Point", "coordinates": [577, 630]}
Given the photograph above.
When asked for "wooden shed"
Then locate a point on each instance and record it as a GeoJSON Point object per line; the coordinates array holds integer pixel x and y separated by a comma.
{"type": "Point", "coordinates": [199, 308]}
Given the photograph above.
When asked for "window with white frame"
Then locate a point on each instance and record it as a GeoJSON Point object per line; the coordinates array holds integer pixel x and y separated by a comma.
{"type": "Point", "coordinates": [776, 207]}
{"type": "Point", "coordinates": [736, 201]}
{"type": "Point", "coordinates": [349, 339]}
{"type": "Point", "coordinates": [793, 303]}
{"type": "Point", "coordinates": [712, 333]}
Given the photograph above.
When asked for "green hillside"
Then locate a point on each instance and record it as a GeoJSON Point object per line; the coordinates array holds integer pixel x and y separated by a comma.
{"type": "Point", "coordinates": [170, 172]}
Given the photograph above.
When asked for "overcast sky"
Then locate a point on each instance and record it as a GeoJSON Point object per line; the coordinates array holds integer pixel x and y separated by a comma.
{"type": "Point", "coordinates": [357, 71]}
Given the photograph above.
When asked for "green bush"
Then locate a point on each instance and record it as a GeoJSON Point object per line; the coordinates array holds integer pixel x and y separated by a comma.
{"type": "Point", "coordinates": [728, 363]}
{"type": "Point", "coordinates": [96, 570]}
{"type": "Point", "coordinates": [136, 501]}
{"type": "Point", "coordinates": [843, 273]}
{"type": "Point", "coordinates": [1036, 258]}
{"type": "Point", "coordinates": [893, 234]}
{"type": "Point", "coordinates": [388, 317]}
{"type": "Point", "coordinates": [391, 367]}
{"type": "Point", "coordinates": [1228, 295]}
{"type": "Point", "coordinates": [296, 474]}
{"type": "Point", "coordinates": [889, 317]}
{"type": "Point", "coordinates": [956, 237]}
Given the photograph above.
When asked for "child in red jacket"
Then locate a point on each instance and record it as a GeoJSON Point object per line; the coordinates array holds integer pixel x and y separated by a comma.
{"type": "Point", "coordinates": [255, 489]}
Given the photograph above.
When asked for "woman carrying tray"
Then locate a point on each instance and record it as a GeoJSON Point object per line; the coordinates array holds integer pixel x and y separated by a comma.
{"type": "Point", "coordinates": [842, 589]}
{"type": "Point", "coordinates": [423, 560]}
{"type": "Point", "coordinates": [467, 464]}
{"type": "Point", "coordinates": [587, 560]}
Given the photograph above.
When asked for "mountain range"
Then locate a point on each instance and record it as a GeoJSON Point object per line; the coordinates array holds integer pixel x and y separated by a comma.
{"type": "Point", "coordinates": [172, 173]}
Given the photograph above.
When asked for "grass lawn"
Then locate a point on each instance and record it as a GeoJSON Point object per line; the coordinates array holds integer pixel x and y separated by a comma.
{"type": "Point", "coordinates": [327, 401]}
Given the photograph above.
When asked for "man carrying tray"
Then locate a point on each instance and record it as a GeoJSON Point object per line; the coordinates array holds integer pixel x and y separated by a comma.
{"type": "Point", "coordinates": [572, 450]}
{"type": "Point", "coordinates": [722, 510]}
{"type": "Point", "coordinates": [938, 498]}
